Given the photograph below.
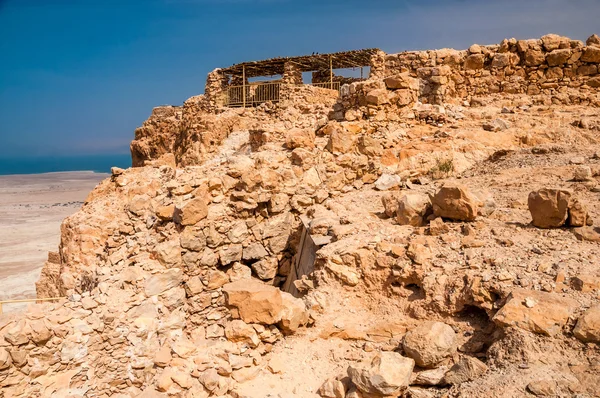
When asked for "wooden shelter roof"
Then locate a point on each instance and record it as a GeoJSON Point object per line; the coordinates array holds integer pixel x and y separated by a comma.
{"type": "Point", "coordinates": [305, 63]}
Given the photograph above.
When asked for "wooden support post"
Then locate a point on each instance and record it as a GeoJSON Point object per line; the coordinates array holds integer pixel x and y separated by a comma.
{"type": "Point", "coordinates": [244, 86]}
{"type": "Point", "coordinates": [0, 308]}
{"type": "Point", "coordinates": [330, 72]}
{"type": "Point", "coordinates": [361, 73]}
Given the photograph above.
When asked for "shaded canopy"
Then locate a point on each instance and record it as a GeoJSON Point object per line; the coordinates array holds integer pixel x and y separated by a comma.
{"type": "Point", "coordinates": [304, 63]}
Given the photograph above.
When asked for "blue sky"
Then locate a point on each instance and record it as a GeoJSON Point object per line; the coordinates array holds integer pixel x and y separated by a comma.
{"type": "Point", "coordinates": [77, 77]}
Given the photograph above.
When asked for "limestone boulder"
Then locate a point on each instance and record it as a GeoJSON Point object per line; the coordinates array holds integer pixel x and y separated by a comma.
{"type": "Point", "coordinates": [549, 207]}
{"type": "Point", "coordinates": [413, 209]}
{"type": "Point", "coordinates": [578, 214]}
{"type": "Point", "coordinates": [401, 81]}
{"type": "Point", "coordinates": [168, 253]}
{"type": "Point", "coordinates": [558, 57]}
{"type": "Point", "coordinates": [388, 375]}
{"type": "Point", "coordinates": [294, 314]}
{"type": "Point", "coordinates": [377, 97]}
{"type": "Point", "coordinates": [537, 312]}
{"type": "Point", "coordinates": [255, 302]}
{"type": "Point", "coordinates": [455, 202]}
{"type": "Point", "coordinates": [430, 343]}
{"type": "Point", "coordinates": [588, 325]}
{"type": "Point", "coordinates": [466, 369]}
{"type": "Point", "coordinates": [593, 40]}
{"type": "Point", "coordinates": [266, 268]}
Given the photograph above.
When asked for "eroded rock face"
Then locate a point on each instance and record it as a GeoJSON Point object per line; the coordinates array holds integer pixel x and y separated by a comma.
{"type": "Point", "coordinates": [430, 343]}
{"type": "Point", "coordinates": [467, 369]}
{"type": "Point", "coordinates": [389, 374]}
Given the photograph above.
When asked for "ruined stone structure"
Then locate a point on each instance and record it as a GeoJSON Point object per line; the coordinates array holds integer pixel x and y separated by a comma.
{"type": "Point", "coordinates": [443, 263]}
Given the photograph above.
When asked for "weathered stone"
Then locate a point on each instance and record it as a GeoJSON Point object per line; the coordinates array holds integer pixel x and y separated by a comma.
{"type": "Point", "coordinates": [466, 369]}
{"type": "Point", "coordinates": [266, 268]}
{"type": "Point", "coordinates": [158, 283]}
{"type": "Point", "coordinates": [534, 58]}
{"type": "Point", "coordinates": [582, 173]}
{"type": "Point", "coordinates": [431, 377]}
{"type": "Point", "coordinates": [474, 61]}
{"type": "Point", "coordinates": [5, 359]}
{"type": "Point", "coordinates": [389, 374]}
{"type": "Point", "coordinates": [300, 138]}
{"type": "Point", "coordinates": [216, 279]}
{"type": "Point", "coordinates": [332, 388]}
{"type": "Point", "coordinates": [543, 388]}
{"type": "Point", "coordinates": [239, 331]}
{"type": "Point", "coordinates": [496, 125]}
{"type": "Point", "coordinates": [390, 202]}
{"type": "Point", "coordinates": [254, 251]}
{"type": "Point", "coordinates": [558, 57]}
{"type": "Point", "coordinates": [255, 301]}
{"type": "Point", "coordinates": [588, 325]}
{"type": "Point", "coordinates": [168, 253]}
{"type": "Point", "coordinates": [165, 213]}
{"type": "Point", "coordinates": [548, 314]}
{"type": "Point", "coordinates": [578, 214]}
{"type": "Point", "coordinates": [294, 313]}
{"type": "Point", "coordinates": [455, 202]}
{"type": "Point", "coordinates": [230, 254]}
{"type": "Point", "coordinates": [593, 40]}
{"type": "Point", "coordinates": [549, 207]}
{"type": "Point", "coordinates": [377, 97]}
{"type": "Point", "coordinates": [591, 54]}
{"type": "Point", "coordinates": [430, 343]}
{"type": "Point", "coordinates": [388, 181]}
{"type": "Point", "coordinates": [413, 209]}
{"type": "Point", "coordinates": [162, 358]}
{"type": "Point", "coordinates": [401, 81]}
{"type": "Point", "coordinates": [193, 212]}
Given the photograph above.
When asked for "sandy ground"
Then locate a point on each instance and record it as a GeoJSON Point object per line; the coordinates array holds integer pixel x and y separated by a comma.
{"type": "Point", "coordinates": [32, 208]}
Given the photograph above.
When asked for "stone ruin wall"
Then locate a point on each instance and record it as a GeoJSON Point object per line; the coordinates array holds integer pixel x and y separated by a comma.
{"type": "Point", "coordinates": [551, 66]}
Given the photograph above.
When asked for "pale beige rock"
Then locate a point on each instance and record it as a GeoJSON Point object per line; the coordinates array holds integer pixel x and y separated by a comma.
{"type": "Point", "coordinates": [588, 325]}
{"type": "Point", "coordinates": [266, 268]}
{"type": "Point", "coordinates": [389, 374]}
{"type": "Point", "coordinates": [216, 279]}
{"type": "Point", "coordinates": [332, 388]}
{"type": "Point", "coordinates": [162, 358]}
{"type": "Point", "coordinates": [239, 331]}
{"type": "Point", "coordinates": [549, 207]}
{"type": "Point", "coordinates": [169, 253]}
{"type": "Point", "coordinates": [550, 313]}
{"type": "Point", "coordinates": [430, 343]}
{"type": "Point", "coordinates": [300, 138]}
{"type": "Point", "coordinates": [390, 203]}
{"type": "Point", "coordinates": [156, 284]}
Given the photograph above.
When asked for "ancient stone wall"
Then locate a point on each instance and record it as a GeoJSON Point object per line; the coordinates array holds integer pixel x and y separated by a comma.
{"type": "Point", "coordinates": [551, 66]}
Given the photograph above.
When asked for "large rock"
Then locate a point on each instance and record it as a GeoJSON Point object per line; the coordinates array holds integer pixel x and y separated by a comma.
{"type": "Point", "coordinates": [588, 325]}
{"type": "Point", "coordinates": [455, 202]}
{"type": "Point", "coordinates": [388, 181]}
{"type": "Point", "coordinates": [402, 81]}
{"type": "Point", "coordinates": [538, 312]}
{"type": "Point", "coordinates": [467, 369]}
{"type": "Point", "coordinates": [193, 212]}
{"type": "Point", "coordinates": [294, 313]}
{"type": "Point", "coordinates": [389, 374]}
{"type": "Point", "coordinates": [300, 138]}
{"type": "Point", "coordinates": [390, 202]}
{"type": "Point", "coordinates": [413, 209]}
{"type": "Point", "coordinates": [255, 301]}
{"type": "Point", "coordinates": [430, 343]}
{"type": "Point", "coordinates": [591, 54]}
{"type": "Point", "coordinates": [578, 214]}
{"type": "Point", "coordinates": [549, 207]}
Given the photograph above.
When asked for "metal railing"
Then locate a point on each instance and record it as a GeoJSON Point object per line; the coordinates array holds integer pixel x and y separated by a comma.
{"type": "Point", "coordinates": [258, 93]}
{"type": "Point", "coordinates": [36, 300]}
{"type": "Point", "coordinates": [254, 94]}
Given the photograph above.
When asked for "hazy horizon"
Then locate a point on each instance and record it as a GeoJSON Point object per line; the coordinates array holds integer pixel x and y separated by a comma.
{"type": "Point", "coordinates": [79, 77]}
